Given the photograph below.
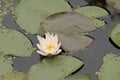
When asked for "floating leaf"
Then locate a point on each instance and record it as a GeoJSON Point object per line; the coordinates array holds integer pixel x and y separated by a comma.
{"type": "Point", "coordinates": [1, 19]}
{"type": "Point", "coordinates": [68, 23]}
{"type": "Point", "coordinates": [92, 11]}
{"type": "Point", "coordinates": [14, 43]}
{"type": "Point", "coordinates": [99, 23]}
{"type": "Point", "coordinates": [115, 34]}
{"type": "Point", "coordinates": [18, 1]}
{"type": "Point", "coordinates": [115, 4]}
{"type": "Point", "coordinates": [5, 65]}
{"type": "Point", "coordinates": [74, 43]}
{"type": "Point", "coordinates": [30, 13]}
{"type": "Point", "coordinates": [71, 28]}
{"type": "Point", "coordinates": [54, 68]}
{"type": "Point", "coordinates": [110, 69]}
{"type": "Point", "coordinates": [79, 77]}
{"type": "Point", "coordinates": [14, 76]}
{"type": "Point", "coordinates": [52, 6]}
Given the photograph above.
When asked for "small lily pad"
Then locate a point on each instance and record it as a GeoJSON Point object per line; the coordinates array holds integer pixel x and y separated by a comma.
{"type": "Point", "coordinates": [115, 4]}
{"type": "Point", "coordinates": [14, 75]}
{"type": "Point", "coordinates": [92, 11]}
{"type": "Point", "coordinates": [30, 13]}
{"type": "Point", "coordinates": [115, 34]}
{"type": "Point", "coordinates": [14, 43]}
{"type": "Point", "coordinates": [5, 65]}
{"type": "Point", "coordinates": [110, 70]}
{"type": "Point", "coordinates": [54, 68]}
{"type": "Point", "coordinates": [99, 23]}
{"type": "Point", "coordinates": [79, 77]}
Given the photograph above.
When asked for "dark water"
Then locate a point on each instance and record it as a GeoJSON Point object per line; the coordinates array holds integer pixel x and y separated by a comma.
{"type": "Point", "coordinates": [92, 57]}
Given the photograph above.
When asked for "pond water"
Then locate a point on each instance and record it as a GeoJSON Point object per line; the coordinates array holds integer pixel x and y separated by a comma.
{"type": "Point", "coordinates": [92, 57]}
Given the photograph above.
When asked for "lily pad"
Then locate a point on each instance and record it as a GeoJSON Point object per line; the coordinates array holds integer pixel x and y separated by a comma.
{"type": "Point", "coordinates": [68, 23]}
{"type": "Point", "coordinates": [51, 6]}
{"type": "Point", "coordinates": [115, 34]}
{"type": "Point", "coordinates": [5, 65]}
{"type": "Point", "coordinates": [30, 13]}
{"type": "Point", "coordinates": [92, 11]}
{"type": "Point", "coordinates": [74, 43]}
{"type": "Point", "coordinates": [99, 23]}
{"type": "Point", "coordinates": [14, 75]}
{"type": "Point", "coordinates": [110, 69]}
{"type": "Point", "coordinates": [79, 77]}
{"type": "Point", "coordinates": [55, 68]}
{"type": "Point", "coordinates": [14, 43]}
{"type": "Point", "coordinates": [115, 4]}
{"type": "Point", "coordinates": [70, 28]}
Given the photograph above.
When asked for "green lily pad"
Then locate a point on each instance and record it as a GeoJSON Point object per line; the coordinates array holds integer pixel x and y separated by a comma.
{"type": "Point", "coordinates": [30, 13]}
{"type": "Point", "coordinates": [54, 68]}
{"type": "Point", "coordinates": [110, 69]}
{"type": "Point", "coordinates": [115, 4]}
{"type": "Point", "coordinates": [99, 23]}
{"type": "Point", "coordinates": [5, 65]}
{"type": "Point", "coordinates": [92, 11]}
{"type": "Point", "coordinates": [79, 77]}
{"type": "Point", "coordinates": [115, 34]}
{"type": "Point", "coordinates": [14, 43]}
{"type": "Point", "coordinates": [1, 21]}
{"type": "Point", "coordinates": [14, 75]}
{"type": "Point", "coordinates": [51, 6]}
{"type": "Point", "coordinates": [70, 28]}
{"type": "Point", "coordinates": [17, 1]}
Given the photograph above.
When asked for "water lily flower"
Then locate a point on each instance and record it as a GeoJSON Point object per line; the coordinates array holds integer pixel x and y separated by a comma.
{"type": "Point", "coordinates": [49, 45]}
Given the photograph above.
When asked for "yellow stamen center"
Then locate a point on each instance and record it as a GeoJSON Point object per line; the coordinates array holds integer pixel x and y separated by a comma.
{"type": "Point", "coordinates": [50, 47]}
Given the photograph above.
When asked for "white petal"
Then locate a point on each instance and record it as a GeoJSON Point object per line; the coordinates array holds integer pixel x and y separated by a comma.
{"type": "Point", "coordinates": [59, 45]}
{"type": "Point", "coordinates": [44, 43]}
{"type": "Point", "coordinates": [52, 52]}
{"type": "Point", "coordinates": [47, 35]}
{"type": "Point", "coordinates": [46, 51]}
{"type": "Point", "coordinates": [58, 51]}
{"type": "Point", "coordinates": [52, 36]}
{"type": "Point", "coordinates": [40, 39]}
{"type": "Point", "coordinates": [55, 39]}
{"type": "Point", "coordinates": [39, 46]}
{"type": "Point", "coordinates": [57, 48]}
{"type": "Point", "coordinates": [42, 53]}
